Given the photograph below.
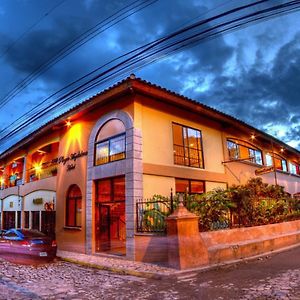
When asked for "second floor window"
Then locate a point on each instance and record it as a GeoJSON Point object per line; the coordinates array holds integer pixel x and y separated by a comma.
{"type": "Point", "coordinates": [187, 146]}
{"type": "Point", "coordinates": [243, 150]}
{"type": "Point", "coordinates": [294, 168]}
{"type": "Point", "coordinates": [110, 142]}
{"type": "Point", "coordinates": [279, 162]}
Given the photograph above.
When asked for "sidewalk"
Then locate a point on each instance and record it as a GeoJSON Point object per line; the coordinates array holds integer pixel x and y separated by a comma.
{"type": "Point", "coordinates": [118, 265]}
{"type": "Point", "coordinates": [147, 270]}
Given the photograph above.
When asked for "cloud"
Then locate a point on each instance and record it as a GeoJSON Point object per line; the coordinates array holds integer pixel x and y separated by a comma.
{"type": "Point", "coordinates": [252, 74]}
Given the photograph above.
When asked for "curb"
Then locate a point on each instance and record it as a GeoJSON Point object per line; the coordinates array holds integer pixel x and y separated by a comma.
{"type": "Point", "coordinates": [120, 271]}
{"type": "Point", "coordinates": [174, 272]}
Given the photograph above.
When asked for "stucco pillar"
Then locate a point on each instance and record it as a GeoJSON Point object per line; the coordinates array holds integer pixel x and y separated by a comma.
{"type": "Point", "coordinates": [186, 248]}
{"type": "Point", "coordinates": [134, 185]}
{"type": "Point", "coordinates": [24, 174]}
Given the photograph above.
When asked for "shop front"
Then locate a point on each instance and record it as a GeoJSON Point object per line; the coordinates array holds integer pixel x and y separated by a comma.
{"type": "Point", "coordinates": [11, 214]}
{"type": "Point", "coordinates": [39, 211]}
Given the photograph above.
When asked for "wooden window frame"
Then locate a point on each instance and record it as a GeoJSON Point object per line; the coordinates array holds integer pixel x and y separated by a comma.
{"type": "Point", "coordinates": [275, 156]}
{"type": "Point", "coordinates": [240, 143]}
{"type": "Point", "coordinates": [77, 199]}
{"type": "Point", "coordinates": [112, 190]}
{"type": "Point", "coordinates": [188, 157]}
{"type": "Point", "coordinates": [109, 148]}
{"type": "Point", "coordinates": [190, 185]}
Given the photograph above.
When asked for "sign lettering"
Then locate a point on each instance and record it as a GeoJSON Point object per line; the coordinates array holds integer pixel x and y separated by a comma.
{"type": "Point", "coordinates": [69, 161]}
{"type": "Point", "coordinates": [264, 170]}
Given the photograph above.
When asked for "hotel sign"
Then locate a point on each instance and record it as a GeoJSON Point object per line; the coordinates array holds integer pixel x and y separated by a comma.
{"type": "Point", "coordinates": [37, 201]}
{"type": "Point", "coordinates": [72, 157]}
{"type": "Point", "coordinates": [70, 160]}
{"type": "Point", "coordinates": [264, 170]}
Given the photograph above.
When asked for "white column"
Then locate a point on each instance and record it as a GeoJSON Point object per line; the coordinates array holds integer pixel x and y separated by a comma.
{"type": "Point", "coordinates": [30, 219]}
{"type": "Point", "coordinates": [16, 219]}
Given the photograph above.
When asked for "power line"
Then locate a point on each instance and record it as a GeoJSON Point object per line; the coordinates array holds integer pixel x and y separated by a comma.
{"type": "Point", "coordinates": [23, 84]}
{"type": "Point", "coordinates": [82, 39]}
{"type": "Point", "coordinates": [151, 45]}
{"type": "Point", "coordinates": [154, 51]}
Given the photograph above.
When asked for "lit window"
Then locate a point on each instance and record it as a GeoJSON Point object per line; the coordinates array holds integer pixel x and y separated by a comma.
{"type": "Point", "coordinates": [111, 189]}
{"type": "Point", "coordinates": [189, 186]}
{"type": "Point", "coordinates": [279, 162]}
{"type": "Point", "coordinates": [187, 143]}
{"type": "Point", "coordinates": [269, 160]}
{"type": "Point", "coordinates": [73, 207]}
{"type": "Point", "coordinates": [294, 168]}
{"type": "Point", "coordinates": [243, 150]}
{"type": "Point", "coordinates": [110, 143]}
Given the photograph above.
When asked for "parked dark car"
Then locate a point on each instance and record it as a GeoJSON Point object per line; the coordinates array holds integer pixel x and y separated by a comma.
{"type": "Point", "coordinates": [29, 243]}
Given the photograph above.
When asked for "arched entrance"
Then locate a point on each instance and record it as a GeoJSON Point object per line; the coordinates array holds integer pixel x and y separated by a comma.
{"type": "Point", "coordinates": [114, 166]}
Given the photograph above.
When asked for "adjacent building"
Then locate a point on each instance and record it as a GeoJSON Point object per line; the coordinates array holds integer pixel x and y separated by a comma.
{"type": "Point", "coordinates": [80, 175]}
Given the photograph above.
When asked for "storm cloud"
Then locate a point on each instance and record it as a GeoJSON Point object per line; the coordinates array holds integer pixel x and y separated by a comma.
{"type": "Point", "coordinates": [252, 74]}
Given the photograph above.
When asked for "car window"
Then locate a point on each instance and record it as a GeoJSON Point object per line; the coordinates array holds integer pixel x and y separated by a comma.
{"type": "Point", "coordinates": [10, 235]}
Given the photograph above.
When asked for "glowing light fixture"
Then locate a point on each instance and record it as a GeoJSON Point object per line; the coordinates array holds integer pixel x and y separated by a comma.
{"type": "Point", "coordinates": [252, 136]}
{"type": "Point", "coordinates": [37, 168]}
{"type": "Point", "coordinates": [1, 180]}
{"type": "Point", "coordinates": [68, 123]}
{"type": "Point", "coordinates": [281, 150]}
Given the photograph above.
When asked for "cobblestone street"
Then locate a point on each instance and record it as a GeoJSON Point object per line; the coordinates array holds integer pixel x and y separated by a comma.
{"type": "Point", "coordinates": [275, 277]}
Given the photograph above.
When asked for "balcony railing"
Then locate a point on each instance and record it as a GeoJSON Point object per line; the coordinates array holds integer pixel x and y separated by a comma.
{"type": "Point", "coordinates": [45, 172]}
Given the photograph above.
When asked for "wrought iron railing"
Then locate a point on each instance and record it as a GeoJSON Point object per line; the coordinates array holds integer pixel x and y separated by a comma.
{"type": "Point", "coordinates": [151, 215]}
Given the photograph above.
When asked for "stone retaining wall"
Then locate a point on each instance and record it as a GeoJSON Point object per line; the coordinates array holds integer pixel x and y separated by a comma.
{"type": "Point", "coordinates": [233, 244]}
{"type": "Point", "coordinates": [226, 245]}
{"type": "Point", "coordinates": [151, 248]}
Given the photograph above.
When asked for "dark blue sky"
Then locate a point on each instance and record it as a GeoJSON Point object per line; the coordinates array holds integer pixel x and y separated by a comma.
{"type": "Point", "coordinates": [252, 74]}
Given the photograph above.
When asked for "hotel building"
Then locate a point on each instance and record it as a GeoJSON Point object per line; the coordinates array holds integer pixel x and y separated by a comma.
{"type": "Point", "coordinates": [80, 175]}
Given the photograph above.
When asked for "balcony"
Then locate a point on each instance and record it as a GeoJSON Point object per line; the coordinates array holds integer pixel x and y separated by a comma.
{"type": "Point", "coordinates": [40, 165]}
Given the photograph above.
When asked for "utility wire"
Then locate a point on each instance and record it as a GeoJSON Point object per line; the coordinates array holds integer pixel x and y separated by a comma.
{"type": "Point", "coordinates": [82, 39]}
{"type": "Point", "coordinates": [98, 75]}
{"type": "Point", "coordinates": [145, 56]}
{"type": "Point", "coordinates": [152, 44]}
{"type": "Point", "coordinates": [23, 84]}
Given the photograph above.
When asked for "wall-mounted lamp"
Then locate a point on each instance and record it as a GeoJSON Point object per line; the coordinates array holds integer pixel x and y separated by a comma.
{"type": "Point", "coordinates": [37, 168]}
{"type": "Point", "coordinates": [68, 123]}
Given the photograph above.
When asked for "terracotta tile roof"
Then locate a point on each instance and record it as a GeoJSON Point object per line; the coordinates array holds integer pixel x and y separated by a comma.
{"type": "Point", "coordinates": [127, 84]}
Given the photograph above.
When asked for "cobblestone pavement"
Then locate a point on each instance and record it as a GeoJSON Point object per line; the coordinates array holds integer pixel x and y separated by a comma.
{"type": "Point", "coordinates": [275, 277]}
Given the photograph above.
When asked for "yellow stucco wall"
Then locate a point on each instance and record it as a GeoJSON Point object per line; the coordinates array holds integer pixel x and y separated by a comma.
{"type": "Point", "coordinates": [240, 173]}
{"type": "Point", "coordinates": [209, 185]}
{"type": "Point", "coordinates": [156, 128]}
{"type": "Point", "coordinates": [73, 140]}
{"type": "Point", "coordinates": [157, 185]}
